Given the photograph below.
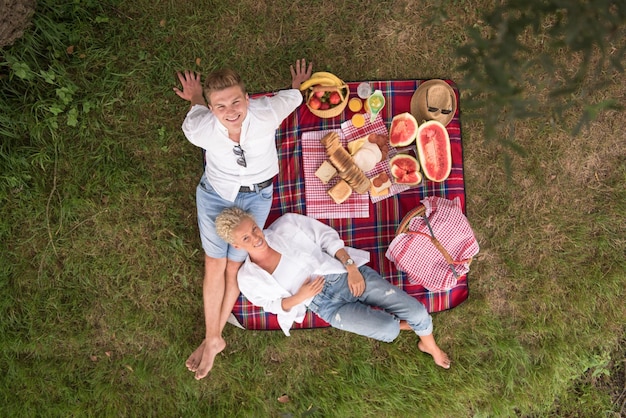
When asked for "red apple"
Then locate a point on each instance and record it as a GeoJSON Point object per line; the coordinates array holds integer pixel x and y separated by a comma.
{"type": "Point", "coordinates": [314, 102]}
{"type": "Point", "coordinates": [334, 98]}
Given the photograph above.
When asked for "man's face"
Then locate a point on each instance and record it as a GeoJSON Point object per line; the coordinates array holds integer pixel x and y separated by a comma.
{"type": "Point", "coordinates": [230, 106]}
{"type": "Point", "coordinates": [248, 236]}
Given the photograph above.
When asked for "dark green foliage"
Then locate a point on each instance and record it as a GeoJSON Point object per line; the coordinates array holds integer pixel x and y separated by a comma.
{"type": "Point", "coordinates": [522, 48]}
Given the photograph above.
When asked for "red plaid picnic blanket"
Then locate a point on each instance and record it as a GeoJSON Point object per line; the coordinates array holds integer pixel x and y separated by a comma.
{"type": "Point", "coordinates": [374, 232]}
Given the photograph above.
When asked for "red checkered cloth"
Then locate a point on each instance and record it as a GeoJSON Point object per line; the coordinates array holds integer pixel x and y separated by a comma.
{"type": "Point", "coordinates": [414, 252]}
{"type": "Point", "coordinates": [375, 232]}
{"type": "Point", "coordinates": [319, 204]}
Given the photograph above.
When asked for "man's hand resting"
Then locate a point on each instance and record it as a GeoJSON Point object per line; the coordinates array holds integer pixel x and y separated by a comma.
{"type": "Point", "coordinates": [191, 88]}
{"type": "Point", "coordinates": [300, 73]}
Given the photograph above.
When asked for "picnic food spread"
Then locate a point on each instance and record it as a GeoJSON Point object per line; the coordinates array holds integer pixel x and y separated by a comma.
{"type": "Point", "coordinates": [367, 219]}
{"type": "Point", "coordinates": [416, 149]}
{"type": "Point", "coordinates": [346, 168]}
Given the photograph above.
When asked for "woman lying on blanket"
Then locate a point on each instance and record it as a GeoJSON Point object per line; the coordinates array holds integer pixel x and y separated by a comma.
{"type": "Point", "coordinates": [299, 262]}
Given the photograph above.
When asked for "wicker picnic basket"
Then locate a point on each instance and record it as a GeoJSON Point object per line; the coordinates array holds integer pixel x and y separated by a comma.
{"type": "Point", "coordinates": [344, 92]}
{"type": "Point", "coordinates": [403, 228]}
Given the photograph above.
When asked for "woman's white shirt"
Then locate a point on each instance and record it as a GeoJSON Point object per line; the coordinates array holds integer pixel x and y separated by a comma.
{"type": "Point", "coordinates": [312, 244]}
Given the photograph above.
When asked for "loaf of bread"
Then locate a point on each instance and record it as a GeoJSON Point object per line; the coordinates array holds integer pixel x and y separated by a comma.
{"type": "Point", "coordinates": [343, 162]}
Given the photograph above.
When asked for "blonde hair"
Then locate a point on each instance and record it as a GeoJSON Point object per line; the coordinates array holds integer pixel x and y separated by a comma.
{"type": "Point", "coordinates": [220, 80]}
{"type": "Point", "coordinates": [228, 220]}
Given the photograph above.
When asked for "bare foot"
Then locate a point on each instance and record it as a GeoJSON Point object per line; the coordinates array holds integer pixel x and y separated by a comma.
{"type": "Point", "coordinates": [440, 357]}
{"type": "Point", "coordinates": [194, 359]}
{"type": "Point", "coordinates": [210, 350]}
{"type": "Point", "coordinates": [404, 326]}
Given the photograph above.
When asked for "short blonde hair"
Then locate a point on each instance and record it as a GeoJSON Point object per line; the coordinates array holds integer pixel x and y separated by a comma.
{"type": "Point", "coordinates": [228, 220]}
{"type": "Point", "coordinates": [220, 80]}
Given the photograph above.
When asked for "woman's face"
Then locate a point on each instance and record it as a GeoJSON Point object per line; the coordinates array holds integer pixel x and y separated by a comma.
{"type": "Point", "coordinates": [248, 236]}
{"type": "Point", "coordinates": [230, 106]}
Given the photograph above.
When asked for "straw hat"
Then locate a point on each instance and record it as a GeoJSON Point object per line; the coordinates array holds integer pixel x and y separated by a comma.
{"type": "Point", "coordinates": [434, 100]}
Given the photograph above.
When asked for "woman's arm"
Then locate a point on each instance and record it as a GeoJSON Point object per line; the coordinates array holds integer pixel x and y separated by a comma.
{"type": "Point", "coordinates": [310, 288]}
{"type": "Point", "coordinates": [356, 282]}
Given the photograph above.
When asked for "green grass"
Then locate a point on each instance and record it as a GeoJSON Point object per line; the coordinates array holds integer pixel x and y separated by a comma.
{"type": "Point", "coordinates": [101, 266]}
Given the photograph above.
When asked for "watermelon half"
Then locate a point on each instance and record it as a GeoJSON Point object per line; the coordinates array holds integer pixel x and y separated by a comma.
{"type": "Point", "coordinates": [403, 130]}
{"type": "Point", "coordinates": [433, 148]}
{"type": "Point", "coordinates": [405, 169]}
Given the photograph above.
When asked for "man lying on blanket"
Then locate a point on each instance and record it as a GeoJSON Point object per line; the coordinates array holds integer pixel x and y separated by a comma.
{"type": "Point", "coordinates": [299, 262]}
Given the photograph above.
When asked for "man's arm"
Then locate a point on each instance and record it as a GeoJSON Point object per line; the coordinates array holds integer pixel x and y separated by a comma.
{"type": "Point", "coordinates": [192, 88]}
{"type": "Point", "coordinates": [300, 73]}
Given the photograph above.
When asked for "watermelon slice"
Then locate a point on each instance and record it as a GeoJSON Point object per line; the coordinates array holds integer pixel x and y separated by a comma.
{"type": "Point", "coordinates": [433, 148]}
{"type": "Point", "coordinates": [403, 130]}
{"type": "Point", "coordinates": [405, 169]}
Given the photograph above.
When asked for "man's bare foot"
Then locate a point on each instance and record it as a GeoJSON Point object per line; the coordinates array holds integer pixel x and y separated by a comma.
{"type": "Point", "coordinates": [209, 351]}
{"type": "Point", "coordinates": [440, 357]}
{"type": "Point", "coordinates": [404, 326]}
{"type": "Point", "coordinates": [194, 359]}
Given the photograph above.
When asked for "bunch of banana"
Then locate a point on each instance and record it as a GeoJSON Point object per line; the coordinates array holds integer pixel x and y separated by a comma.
{"type": "Point", "coordinates": [325, 91]}
{"type": "Point", "coordinates": [322, 78]}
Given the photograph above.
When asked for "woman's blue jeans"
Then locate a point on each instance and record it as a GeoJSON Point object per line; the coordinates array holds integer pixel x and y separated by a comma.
{"type": "Point", "coordinates": [341, 309]}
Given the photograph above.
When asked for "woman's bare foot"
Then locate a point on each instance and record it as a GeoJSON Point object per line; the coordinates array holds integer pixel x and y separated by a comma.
{"type": "Point", "coordinates": [209, 351]}
{"type": "Point", "coordinates": [194, 359]}
{"type": "Point", "coordinates": [427, 345]}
